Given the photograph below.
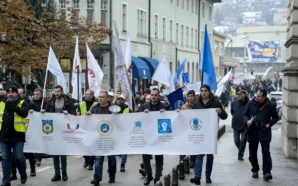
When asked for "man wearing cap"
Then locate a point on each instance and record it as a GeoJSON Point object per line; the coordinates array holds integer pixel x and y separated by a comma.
{"type": "Point", "coordinates": [86, 106]}
{"type": "Point", "coordinates": [206, 100]}
{"type": "Point", "coordinates": [13, 113]}
{"type": "Point", "coordinates": [124, 110]}
{"type": "Point", "coordinates": [238, 125]}
{"type": "Point", "coordinates": [111, 96]}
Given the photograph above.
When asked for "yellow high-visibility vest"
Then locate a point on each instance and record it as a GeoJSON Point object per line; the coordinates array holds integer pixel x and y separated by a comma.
{"type": "Point", "coordinates": [83, 107]}
{"type": "Point", "coordinates": [125, 111]}
{"type": "Point", "coordinates": [19, 122]}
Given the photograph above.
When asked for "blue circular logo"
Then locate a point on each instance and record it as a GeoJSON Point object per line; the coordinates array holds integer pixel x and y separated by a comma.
{"type": "Point", "coordinates": [104, 128]}
{"type": "Point", "coordinates": [195, 124]}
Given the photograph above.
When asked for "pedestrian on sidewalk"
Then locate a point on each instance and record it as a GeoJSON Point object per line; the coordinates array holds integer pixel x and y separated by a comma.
{"type": "Point", "coordinates": [13, 113]}
{"type": "Point", "coordinates": [103, 108]}
{"type": "Point", "coordinates": [238, 125]}
{"type": "Point", "coordinates": [154, 105]}
{"type": "Point", "coordinates": [260, 115]}
{"type": "Point", "coordinates": [60, 103]}
{"type": "Point", "coordinates": [206, 100]}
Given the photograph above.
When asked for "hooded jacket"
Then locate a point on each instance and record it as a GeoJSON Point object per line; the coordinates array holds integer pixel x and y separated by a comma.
{"type": "Point", "coordinates": [237, 111]}
{"type": "Point", "coordinates": [212, 103]}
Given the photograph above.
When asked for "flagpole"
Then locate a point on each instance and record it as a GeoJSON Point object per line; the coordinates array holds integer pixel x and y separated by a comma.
{"type": "Point", "coordinates": [44, 86]}
{"type": "Point", "coordinates": [78, 81]}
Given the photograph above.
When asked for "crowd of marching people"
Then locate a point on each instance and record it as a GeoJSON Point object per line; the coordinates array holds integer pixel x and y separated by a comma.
{"type": "Point", "coordinates": [253, 116]}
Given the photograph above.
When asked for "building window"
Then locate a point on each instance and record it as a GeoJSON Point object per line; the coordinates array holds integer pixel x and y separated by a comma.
{"type": "Point", "coordinates": [182, 4]}
{"type": "Point", "coordinates": [182, 34]}
{"type": "Point", "coordinates": [203, 9]}
{"type": "Point", "coordinates": [196, 39]}
{"type": "Point", "coordinates": [171, 1]}
{"type": "Point", "coordinates": [192, 6]}
{"type": "Point", "coordinates": [171, 30]}
{"type": "Point", "coordinates": [76, 4]}
{"type": "Point", "coordinates": [178, 2]}
{"type": "Point", "coordinates": [187, 38]}
{"type": "Point", "coordinates": [62, 4]}
{"type": "Point", "coordinates": [197, 71]}
{"type": "Point", "coordinates": [164, 28]}
{"type": "Point", "coordinates": [187, 4]}
{"type": "Point", "coordinates": [193, 71]}
{"type": "Point", "coordinates": [220, 48]}
{"type": "Point", "coordinates": [216, 48]}
{"type": "Point", "coordinates": [156, 26]}
{"type": "Point", "coordinates": [90, 16]}
{"type": "Point", "coordinates": [142, 23]}
{"type": "Point", "coordinates": [171, 67]}
{"type": "Point", "coordinates": [90, 4]}
{"type": "Point", "coordinates": [104, 5]}
{"type": "Point", "coordinates": [188, 68]}
{"type": "Point", "coordinates": [210, 13]}
{"type": "Point", "coordinates": [191, 37]}
{"type": "Point", "coordinates": [124, 17]}
{"type": "Point", "coordinates": [202, 38]}
{"type": "Point", "coordinates": [197, 7]}
{"type": "Point", "coordinates": [177, 33]}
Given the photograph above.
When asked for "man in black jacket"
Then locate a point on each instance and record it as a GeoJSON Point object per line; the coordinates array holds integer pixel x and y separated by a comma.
{"type": "Point", "coordinates": [206, 100]}
{"type": "Point", "coordinates": [61, 103]}
{"type": "Point", "coordinates": [154, 105]}
{"type": "Point", "coordinates": [238, 125]}
{"type": "Point", "coordinates": [260, 115]}
{"type": "Point", "coordinates": [13, 113]}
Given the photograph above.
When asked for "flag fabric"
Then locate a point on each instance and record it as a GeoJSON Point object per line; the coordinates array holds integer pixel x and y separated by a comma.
{"type": "Point", "coordinates": [176, 99]}
{"type": "Point", "coordinates": [120, 65]}
{"type": "Point", "coordinates": [207, 66]}
{"type": "Point", "coordinates": [55, 68]}
{"type": "Point", "coordinates": [163, 75]}
{"type": "Point", "coordinates": [179, 70]}
{"type": "Point", "coordinates": [222, 83]}
{"type": "Point", "coordinates": [95, 74]}
{"type": "Point", "coordinates": [127, 59]}
{"type": "Point", "coordinates": [76, 91]}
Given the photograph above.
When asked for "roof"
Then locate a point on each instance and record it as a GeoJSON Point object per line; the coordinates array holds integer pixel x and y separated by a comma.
{"type": "Point", "coordinates": [218, 34]}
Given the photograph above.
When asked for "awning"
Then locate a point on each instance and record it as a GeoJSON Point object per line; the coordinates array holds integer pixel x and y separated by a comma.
{"type": "Point", "coordinates": [140, 68]}
{"type": "Point", "coordinates": [152, 63]}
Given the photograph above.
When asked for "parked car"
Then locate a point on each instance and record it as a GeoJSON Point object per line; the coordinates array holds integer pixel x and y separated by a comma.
{"type": "Point", "coordinates": [277, 96]}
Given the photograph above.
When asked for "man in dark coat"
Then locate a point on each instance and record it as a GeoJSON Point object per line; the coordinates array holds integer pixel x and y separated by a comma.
{"type": "Point", "coordinates": [13, 113]}
{"type": "Point", "coordinates": [238, 125]}
{"type": "Point", "coordinates": [260, 115]}
{"type": "Point", "coordinates": [154, 105]}
{"type": "Point", "coordinates": [206, 100]}
{"type": "Point", "coordinates": [61, 103]}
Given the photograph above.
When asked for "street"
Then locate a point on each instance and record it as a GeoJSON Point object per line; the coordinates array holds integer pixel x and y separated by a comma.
{"type": "Point", "coordinates": [227, 170]}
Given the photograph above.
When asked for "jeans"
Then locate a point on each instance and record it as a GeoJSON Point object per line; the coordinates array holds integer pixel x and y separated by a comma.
{"type": "Point", "coordinates": [123, 159]}
{"type": "Point", "coordinates": [38, 157]}
{"type": "Point", "coordinates": [253, 156]}
{"type": "Point", "coordinates": [56, 160]}
{"type": "Point", "coordinates": [158, 165]}
{"type": "Point", "coordinates": [199, 165]}
{"type": "Point", "coordinates": [18, 153]}
{"type": "Point", "coordinates": [99, 166]}
{"type": "Point", "coordinates": [89, 160]}
{"type": "Point", "coordinates": [240, 142]}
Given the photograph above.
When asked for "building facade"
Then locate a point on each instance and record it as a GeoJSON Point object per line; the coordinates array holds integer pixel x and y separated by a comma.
{"type": "Point", "coordinates": [157, 28]}
{"type": "Point", "coordinates": [218, 53]}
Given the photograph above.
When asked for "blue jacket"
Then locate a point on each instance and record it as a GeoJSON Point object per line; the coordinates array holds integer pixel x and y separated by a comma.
{"type": "Point", "coordinates": [262, 115]}
{"type": "Point", "coordinates": [237, 110]}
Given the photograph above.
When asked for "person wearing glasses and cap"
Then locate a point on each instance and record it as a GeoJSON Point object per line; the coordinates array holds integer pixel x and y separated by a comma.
{"type": "Point", "coordinates": [13, 113]}
{"type": "Point", "coordinates": [238, 125]}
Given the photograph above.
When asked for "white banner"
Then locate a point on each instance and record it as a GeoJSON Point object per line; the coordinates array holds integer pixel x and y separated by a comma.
{"type": "Point", "coordinates": [188, 132]}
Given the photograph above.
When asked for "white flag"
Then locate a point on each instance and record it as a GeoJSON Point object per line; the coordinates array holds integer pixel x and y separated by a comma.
{"type": "Point", "coordinates": [120, 65]}
{"type": "Point", "coordinates": [163, 75]}
{"type": "Point", "coordinates": [127, 54]}
{"type": "Point", "coordinates": [221, 84]}
{"type": "Point", "coordinates": [54, 67]}
{"type": "Point", "coordinates": [95, 74]}
{"type": "Point", "coordinates": [74, 80]}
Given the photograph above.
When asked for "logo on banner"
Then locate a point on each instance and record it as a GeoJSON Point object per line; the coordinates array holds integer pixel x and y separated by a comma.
{"type": "Point", "coordinates": [137, 128]}
{"type": "Point", "coordinates": [73, 129]}
{"type": "Point", "coordinates": [47, 126]}
{"type": "Point", "coordinates": [164, 126]}
{"type": "Point", "coordinates": [104, 128]}
{"type": "Point", "coordinates": [195, 124]}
